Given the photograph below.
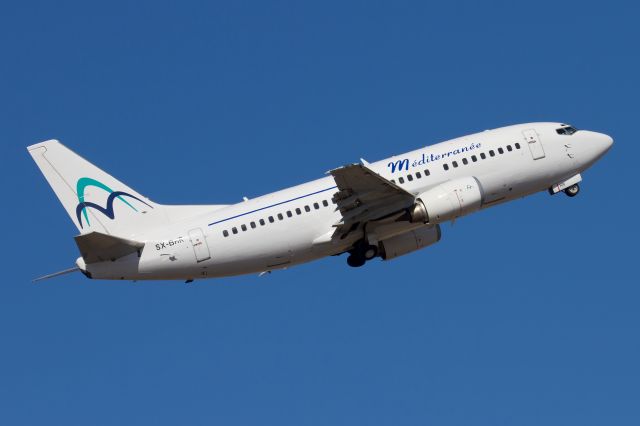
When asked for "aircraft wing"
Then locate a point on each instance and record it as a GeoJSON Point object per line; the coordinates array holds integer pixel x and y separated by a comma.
{"type": "Point", "coordinates": [363, 195]}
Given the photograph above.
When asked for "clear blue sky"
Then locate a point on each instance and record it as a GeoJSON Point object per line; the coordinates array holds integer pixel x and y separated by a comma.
{"type": "Point", "coordinates": [524, 314]}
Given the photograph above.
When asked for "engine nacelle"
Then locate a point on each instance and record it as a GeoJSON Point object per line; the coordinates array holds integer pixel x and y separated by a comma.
{"type": "Point", "coordinates": [447, 201]}
{"type": "Point", "coordinates": [408, 242]}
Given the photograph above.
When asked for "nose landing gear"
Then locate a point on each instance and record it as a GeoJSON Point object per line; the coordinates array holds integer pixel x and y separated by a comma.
{"type": "Point", "coordinates": [361, 252]}
{"type": "Point", "coordinates": [573, 190]}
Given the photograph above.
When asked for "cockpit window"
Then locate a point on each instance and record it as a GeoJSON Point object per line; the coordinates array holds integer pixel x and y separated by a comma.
{"type": "Point", "coordinates": [566, 130]}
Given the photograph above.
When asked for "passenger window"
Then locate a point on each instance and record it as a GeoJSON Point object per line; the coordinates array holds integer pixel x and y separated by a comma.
{"type": "Point", "coordinates": [426, 172]}
{"type": "Point", "coordinates": [491, 153]}
{"type": "Point", "coordinates": [261, 222]}
{"type": "Point", "coordinates": [289, 214]}
{"type": "Point", "coordinates": [509, 148]}
{"type": "Point", "coordinates": [307, 209]}
{"type": "Point", "coordinates": [234, 230]}
{"type": "Point", "coordinates": [401, 180]}
{"type": "Point", "coordinates": [409, 177]}
{"type": "Point", "coordinates": [280, 217]}
{"type": "Point", "coordinates": [225, 233]}
{"type": "Point", "coordinates": [465, 161]}
{"type": "Point", "coordinates": [253, 225]}
{"type": "Point", "coordinates": [393, 181]}
{"type": "Point", "coordinates": [482, 155]}
{"type": "Point", "coordinates": [271, 219]}
{"type": "Point", "coordinates": [445, 166]}
{"type": "Point", "coordinates": [298, 211]}
{"type": "Point", "coordinates": [474, 158]}
{"type": "Point", "coordinates": [500, 151]}
{"type": "Point", "coordinates": [517, 145]}
{"type": "Point", "coordinates": [455, 163]}
{"type": "Point", "coordinates": [418, 175]}
{"type": "Point", "coordinates": [244, 227]}
{"type": "Point", "coordinates": [324, 203]}
{"type": "Point", "coordinates": [316, 206]}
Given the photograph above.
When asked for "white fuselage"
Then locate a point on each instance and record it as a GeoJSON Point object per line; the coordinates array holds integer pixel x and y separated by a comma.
{"type": "Point", "coordinates": [292, 226]}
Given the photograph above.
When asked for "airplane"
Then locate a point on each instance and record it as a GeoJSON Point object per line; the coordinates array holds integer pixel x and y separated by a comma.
{"type": "Point", "coordinates": [385, 209]}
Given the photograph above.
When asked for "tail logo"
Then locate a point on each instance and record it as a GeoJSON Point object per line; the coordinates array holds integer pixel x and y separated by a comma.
{"type": "Point", "coordinates": [81, 208]}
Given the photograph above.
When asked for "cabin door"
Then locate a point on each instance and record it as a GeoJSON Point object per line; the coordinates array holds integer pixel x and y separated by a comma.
{"type": "Point", "coordinates": [535, 147]}
{"type": "Point", "coordinates": [199, 244]}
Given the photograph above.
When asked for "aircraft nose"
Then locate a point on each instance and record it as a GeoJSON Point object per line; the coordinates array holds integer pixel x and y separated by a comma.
{"type": "Point", "coordinates": [603, 143]}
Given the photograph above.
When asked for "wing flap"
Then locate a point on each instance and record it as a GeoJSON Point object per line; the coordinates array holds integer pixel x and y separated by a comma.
{"type": "Point", "coordinates": [363, 195]}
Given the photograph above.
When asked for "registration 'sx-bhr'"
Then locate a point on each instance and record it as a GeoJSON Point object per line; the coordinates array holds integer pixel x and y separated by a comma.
{"type": "Point", "coordinates": [384, 209]}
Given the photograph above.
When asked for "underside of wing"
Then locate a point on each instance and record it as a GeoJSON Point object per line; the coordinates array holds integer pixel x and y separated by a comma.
{"type": "Point", "coordinates": [363, 195]}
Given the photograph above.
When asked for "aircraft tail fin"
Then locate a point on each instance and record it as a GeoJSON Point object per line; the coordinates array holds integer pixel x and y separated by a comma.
{"type": "Point", "coordinates": [95, 200]}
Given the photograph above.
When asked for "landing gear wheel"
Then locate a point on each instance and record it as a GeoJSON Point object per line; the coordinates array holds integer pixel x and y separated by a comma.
{"type": "Point", "coordinates": [361, 253]}
{"type": "Point", "coordinates": [370, 252]}
{"type": "Point", "coordinates": [572, 191]}
{"type": "Point", "coordinates": [355, 261]}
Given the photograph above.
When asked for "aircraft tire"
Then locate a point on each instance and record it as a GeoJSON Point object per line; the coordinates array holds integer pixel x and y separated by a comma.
{"type": "Point", "coordinates": [370, 252]}
{"type": "Point", "coordinates": [572, 191]}
{"type": "Point", "coordinates": [356, 261]}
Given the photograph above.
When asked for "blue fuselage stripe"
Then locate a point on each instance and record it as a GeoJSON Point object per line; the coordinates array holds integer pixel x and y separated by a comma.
{"type": "Point", "coordinates": [272, 205]}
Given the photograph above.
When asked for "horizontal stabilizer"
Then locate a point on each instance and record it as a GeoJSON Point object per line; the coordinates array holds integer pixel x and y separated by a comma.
{"type": "Point", "coordinates": [98, 247]}
{"type": "Point", "coordinates": [56, 274]}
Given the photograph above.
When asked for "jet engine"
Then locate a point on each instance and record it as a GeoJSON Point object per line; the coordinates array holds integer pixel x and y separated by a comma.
{"type": "Point", "coordinates": [408, 242]}
{"type": "Point", "coordinates": [447, 201]}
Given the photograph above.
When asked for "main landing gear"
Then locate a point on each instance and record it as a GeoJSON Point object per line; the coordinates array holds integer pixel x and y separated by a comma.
{"type": "Point", "coordinates": [573, 190]}
{"type": "Point", "coordinates": [360, 253]}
